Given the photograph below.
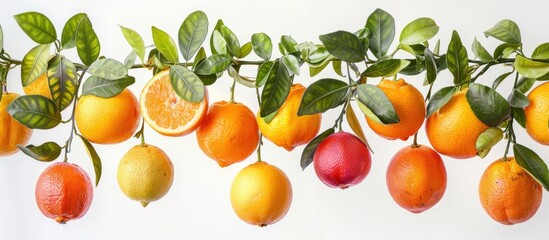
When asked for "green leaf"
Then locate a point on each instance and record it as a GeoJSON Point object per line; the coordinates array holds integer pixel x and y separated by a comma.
{"type": "Point", "coordinates": [46, 152]}
{"type": "Point", "coordinates": [186, 84]}
{"type": "Point", "coordinates": [318, 57]}
{"type": "Point", "coordinates": [37, 26]}
{"type": "Point", "coordinates": [530, 68]}
{"type": "Point", "coordinates": [97, 166]}
{"type": "Point", "coordinates": [106, 88]}
{"type": "Point", "coordinates": [62, 80]}
{"type": "Point", "coordinates": [336, 64]}
{"type": "Point", "coordinates": [353, 122]}
{"type": "Point", "coordinates": [382, 32]}
{"type": "Point", "coordinates": [518, 100]}
{"type": "Point", "coordinates": [418, 31]}
{"type": "Point", "coordinates": [415, 67]}
{"type": "Point", "coordinates": [488, 105]}
{"type": "Point", "coordinates": [505, 50]}
{"type": "Point", "coordinates": [108, 68]}
{"type": "Point", "coordinates": [165, 45]}
{"type": "Point", "coordinates": [68, 36]}
{"type": "Point", "coordinates": [506, 31]}
{"type": "Point", "coordinates": [34, 64]}
{"type": "Point", "coordinates": [385, 68]}
{"type": "Point", "coordinates": [322, 95]}
{"type": "Point", "coordinates": [430, 66]}
{"type": "Point", "coordinates": [87, 43]}
{"type": "Point", "coordinates": [487, 139]}
{"type": "Point", "coordinates": [201, 55]}
{"type": "Point", "coordinates": [269, 118]}
{"type": "Point", "coordinates": [262, 45]}
{"type": "Point", "coordinates": [233, 73]}
{"type": "Point", "coordinates": [129, 61]}
{"type": "Point", "coordinates": [309, 151]}
{"type": "Point", "coordinates": [192, 33]}
{"type": "Point", "coordinates": [292, 63]}
{"type": "Point", "coordinates": [481, 52]}
{"type": "Point", "coordinates": [533, 164]}
{"type": "Point", "coordinates": [136, 42]}
{"type": "Point", "coordinates": [1, 39]}
{"type": "Point", "coordinates": [245, 50]}
{"type": "Point", "coordinates": [439, 99]}
{"type": "Point", "coordinates": [541, 52]}
{"type": "Point", "coordinates": [519, 116]}
{"type": "Point", "coordinates": [344, 46]}
{"type": "Point", "coordinates": [263, 73]}
{"type": "Point", "coordinates": [313, 71]}
{"type": "Point", "coordinates": [458, 62]}
{"type": "Point", "coordinates": [232, 41]}
{"type": "Point", "coordinates": [375, 100]}
{"type": "Point", "coordinates": [287, 45]}
{"type": "Point", "coordinates": [276, 89]}
{"type": "Point", "coordinates": [525, 84]}
{"type": "Point", "coordinates": [214, 64]}
{"type": "Point", "coordinates": [500, 79]}
{"type": "Point", "coordinates": [35, 111]}
{"type": "Point", "coordinates": [216, 39]}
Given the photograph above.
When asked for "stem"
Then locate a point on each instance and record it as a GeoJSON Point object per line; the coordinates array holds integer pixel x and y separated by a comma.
{"type": "Point", "coordinates": [414, 143]}
{"type": "Point", "coordinates": [142, 131]}
{"type": "Point", "coordinates": [510, 131]}
{"type": "Point", "coordinates": [483, 71]}
{"type": "Point", "coordinates": [68, 143]}
{"type": "Point", "coordinates": [232, 91]}
{"type": "Point", "coordinates": [260, 134]}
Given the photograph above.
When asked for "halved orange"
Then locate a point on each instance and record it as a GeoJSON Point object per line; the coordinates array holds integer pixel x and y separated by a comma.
{"type": "Point", "coordinates": [166, 112]}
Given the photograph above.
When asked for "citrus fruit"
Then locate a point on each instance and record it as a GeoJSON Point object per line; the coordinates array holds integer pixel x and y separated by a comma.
{"type": "Point", "coordinates": [40, 86]}
{"type": "Point", "coordinates": [454, 128]}
{"type": "Point", "coordinates": [12, 133]}
{"type": "Point", "coordinates": [342, 160]}
{"type": "Point", "coordinates": [508, 193]}
{"type": "Point", "coordinates": [229, 133]}
{"type": "Point", "coordinates": [409, 106]}
{"type": "Point", "coordinates": [537, 114]}
{"type": "Point", "coordinates": [261, 194]}
{"type": "Point", "coordinates": [167, 113]}
{"type": "Point", "coordinates": [287, 129]}
{"type": "Point", "coordinates": [64, 192]}
{"type": "Point", "coordinates": [416, 178]}
{"type": "Point", "coordinates": [145, 174]}
{"type": "Point", "coordinates": [107, 120]}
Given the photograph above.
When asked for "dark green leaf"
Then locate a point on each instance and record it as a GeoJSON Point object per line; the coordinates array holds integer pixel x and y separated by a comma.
{"type": "Point", "coordinates": [68, 36]}
{"type": "Point", "coordinates": [262, 45]}
{"type": "Point", "coordinates": [208, 79]}
{"type": "Point", "coordinates": [481, 52]}
{"type": "Point", "coordinates": [35, 111]}
{"type": "Point", "coordinates": [130, 59]}
{"type": "Point", "coordinates": [518, 100]}
{"type": "Point", "coordinates": [269, 118]}
{"type": "Point", "coordinates": [418, 31]}
{"type": "Point", "coordinates": [165, 45]}
{"type": "Point", "coordinates": [430, 66]}
{"type": "Point", "coordinates": [276, 89]}
{"type": "Point", "coordinates": [135, 40]}
{"type": "Point", "coordinates": [337, 68]}
{"type": "Point", "coordinates": [292, 63]}
{"type": "Point", "coordinates": [106, 88]}
{"type": "Point", "coordinates": [344, 46]}
{"type": "Point", "coordinates": [500, 79]}
{"type": "Point", "coordinates": [97, 166]}
{"type": "Point", "coordinates": [385, 68]}
{"type": "Point", "coordinates": [442, 63]}
{"type": "Point", "coordinates": [533, 164]}
{"type": "Point", "coordinates": [322, 95]}
{"type": "Point", "coordinates": [439, 99]}
{"type": "Point", "coordinates": [488, 105]}
{"type": "Point", "coordinates": [263, 73]}
{"type": "Point", "coordinates": [519, 116]}
{"type": "Point", "coordinates": [415, 67]}
{"type": "Point", "coordinates": [214, 64]}
{"type": "Point", "coordinates": [201, 55]}
{"type": "Point", "coordinates": [363, 33]}
{"type": "Point", "coordinates": [287, 45]}
{"type": "Point", "coordinates": [458, 62]}
{"type": "Point", "coordinates": [232, 41]}
{"type": "Point", "coordinates": [487, 139]}
{"type": "Point", "coordinates": [245, 50]}
{"type": "Point", "coordinates": [525, 84]}
{"type": "Point", "coordinates": [186, 84]}
{"type": "Point", "coordinates": [377, 102]}
{"type": "Point", "coordinates": [309, 151]}
{"type": "Point", "coordinates": [416, 49]}
{"type": "Point", "coordinates": [541, 52]}
{"type": "Point", "coordinates": [108, 68]}
{"type": "Point", "coordinates": [87, 43]}
{"type": "Point", "coordinates": [215, 41]}
{"type": "Point", "coordinates": [192, 33]}
{"type": "Point", "coordinates": [46, 152]}
{"type": "Point", "coordinates": [34, 64]}
{"type": "Point", "coordinates": [506, 31]}
{"type": "Point", "coordinates": [530, 68]}
{"type": "Point", "coordinates": [382, 27]}
{"type": "Point", "coordinates": [62, 80]}
{"type": "Point", "coordinates": [37, 26]}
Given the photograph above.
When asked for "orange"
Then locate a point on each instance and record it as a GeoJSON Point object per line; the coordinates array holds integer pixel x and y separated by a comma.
{"type": "Point", "coordinates": [64, 192]}
{"type": "Point", "coordinates": [342, 160]}
{"type": "Point", "coordinates": [288, 130]}
{"type": "Point", "coordinates": [229, 133]}
{"type": "Point", "coordinates": [537, 114]}
{"type": "Point", "coordinates": [12, 132]}
{"type": "Point", "coordinates": [107, 120]}
{"type": "Point", "coordinates": [508, 193]}
{"type": "Point", "coordinates": [416, 178]}
{"type": "Point", "coordinates": [40, 86]}
{"type": "Point", "coordinates": [261, 194]}
{"type": "Point", "coordinates": [409, 106]}
{"type": "Point", "coordinates": [167, 113]}
{"type": "Point", "coordinates": [454, 128]}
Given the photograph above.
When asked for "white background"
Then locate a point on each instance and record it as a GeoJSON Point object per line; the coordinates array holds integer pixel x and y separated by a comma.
{"type": "Point", "coordinates": [198, 206]}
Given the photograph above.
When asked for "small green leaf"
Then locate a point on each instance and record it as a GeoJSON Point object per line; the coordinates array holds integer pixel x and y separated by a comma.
{"type": "Point", "coordinates": [37, 26]}
{"type": "Point", "coordinates": [481, 52]}
{"type": "Point", "coordinates": [313, 71]}
{"type": "Point", "coordinates": [165, 45]}
{"type": "Point", "coordinates": [263, 73]}
{"type": "Point", "coordinates": [97, 166]}
{"type": "Point", "coordinates": [192, 33]}
{"type": "Point", "coordinates": [518, 100]}
{"type": "Point", "coordinates": [385, 68]}
{"type": "Point", "coordinates": [505, 50]}
{"type": "Point", "coordinates": [232, 41]}
{"type": "Point", "coordinates": [530, 68]}
{"type": "Point", "coordinates": [382, 32]}
{"type": "Point", "coordinates": [87, 43]}
{"type": "Point", "coordinates": [533, 164]}
{"type": "Point", "coordinates": [129, 61]}
{"type": "Point", "coordinates": [35, 111]}
{"type": "Point", "coordinates": [216, 39]}
{"type": "Point", "coordinates": [344, 46]}
{"type": "Point", "coordinates": [415, 67]}
{"type": "Point", "coordinates": [287, 45]}
{"type": "Point", "coordinates": [245, 50]}
{"type": "Point", "coordinates": [269, 118]}
{"type": "Point", "coordinates": [439, 99]}
{"type": "Point", "coordinates": [136, 42]}
{"type": "Point", "coordinates": [34, 64]}
{"type": "Point", "coordinates": [541, 52]}
{"type": "Point", "coordinates": [46, 152]}
{"type": "Point", "coordinates": [186, 84]}
{"type": "Point", "coordinates": [262, 45]}
{"type": "Point", "coordinates": [418, 31]}
{"type": "Point", "coordinates": [322, 95]}
{"type": "Point", "coordinates": [214, 64]}
{"type": "Point", "coordinates": [292, 63]}
{"type": "Point", "coordinates": [506, 31]}
{"type": "Point", "coordinates": [519, 116]}
{"type": "Point", "coordinates": [1, 39]}
{"type": "Point", "coordinates": [106, 88]}
{"type": "Point", "coordinates": [525, 84]}
{"type": "Point", "coordinates": [487, 139]}
{"type": "Point", "coordinates": [336, 64]}
{"type": "Point", "coordinates": [376, 100]}
{"type": "Point", "coordinates": [458, 62]}
{"type": "Point", "coordinates": [430, 66]}
{"type": "Point", "coordinates": [68, 36]}
{"type": "Point", "coordinates": [318, 57]}
{"type": "Point", "coordinates": [309, 151]}
{"type": "Point", "coordinates": [353, 122]}
{"type": "Point", "coordinates": [201, 55]}
{"type": "Point", "coordinates": [240, 79]}
{"type": "Point", "coordinates": [108, 68]}
{"type": "Point", "coordinates": [62, 80]}
{"type": "Point", "coordinates": [500, 79]}
{"type": "Point", "coordinates": [488, 105]}
{"type": "Point", "coordinates": [276, 89]}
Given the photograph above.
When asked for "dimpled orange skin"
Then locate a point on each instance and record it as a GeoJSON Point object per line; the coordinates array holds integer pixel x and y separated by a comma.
{"type": "Point", "coordinates": [508, 193]}
{"type": "Point", "coordinates": [287, 129]}
{"type": "Point", "coordinates": [12, 132]}
{"type": "Point", "coordinates": [261, 194]}
{"type": "Point", "coordinates": [64, 192]}
{"type": "Point", "coordinates": [229, 133]}
{"type": "Point", "coordinates": [409, 106]}
{"type": "Point", "coordinates": [453, 130]}
{"type": "Point", "coordinates": [537, 114]}
{"type": "Point", "coordinates": [416, 178]}
{"type": "Point", "coordinates": [342, 160]}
